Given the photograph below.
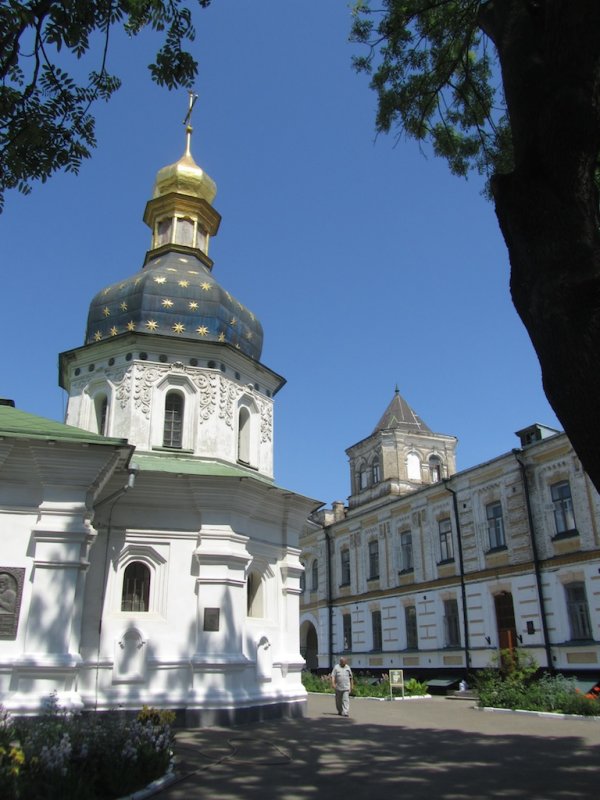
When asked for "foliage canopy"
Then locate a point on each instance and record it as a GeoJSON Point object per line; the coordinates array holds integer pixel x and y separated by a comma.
{"type": "Point", "coordinates": [46, 122]}
{"type": "Point", "coordinates": [436, 77]}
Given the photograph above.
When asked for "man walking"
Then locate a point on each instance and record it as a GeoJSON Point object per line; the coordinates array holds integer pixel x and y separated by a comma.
{"type": "Point", "coordinates": [342, 682]}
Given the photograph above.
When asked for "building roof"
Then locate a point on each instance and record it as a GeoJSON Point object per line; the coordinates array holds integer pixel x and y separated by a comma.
{"type": "Point", "coordinates": [21, 424]}
{"type": "Point", "coordinates": [400, 415]}
{"type": "Point", "coordinates": [186, 465]}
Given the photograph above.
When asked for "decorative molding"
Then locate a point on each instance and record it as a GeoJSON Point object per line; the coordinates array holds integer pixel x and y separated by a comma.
{"type": "Point", "coordinates": [229, 394]}
{"type": "Point", "coordinates": [207, 388]}
{"type": "Point", "coordinates": [266, 422]}
{"type": "Point", "coordinates": [122, 382]}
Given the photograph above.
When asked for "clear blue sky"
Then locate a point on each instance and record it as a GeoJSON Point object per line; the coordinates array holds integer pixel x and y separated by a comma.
{"type": "Point", "coordinates": [368, 264]}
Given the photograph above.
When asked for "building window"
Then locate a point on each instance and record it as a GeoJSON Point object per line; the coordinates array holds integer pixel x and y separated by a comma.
{"type": "Point", "coordinates": [345, 564]}
{"type": "Point", "coordinates": [184, 231]}
{"type": "Point", "coordinates": [446, 548]}
{"type": "Point", "coordinates": [201, 239]}
{"type": "Point", "coordinates": [173, 428]}
{"type": "Point", "coordinates": [451, 624]}
{"type": "Point", "coordinates": [254, 597]}
{"type": "Point", "coordinates": [314, 576]}
{"type": "Point", "coordinates": [163, 232]}
{"type": "Point", "coordinates": [101, 404]}
{"type": "Point", "coordinates": [406, 552]}
{"type": "Point", "coordinates": [363, 477]}
{"type": "Point", "coordinates": [578, 611]}
{"type": "Point", "coordinates": [495, 525]}
{"type": "Point", "coordinates": [347, 631]}
{"type": "Point", "coordinates": [373, 559]}
{"type": "Point", "coordinates": [136, 587]}
{"type": "Point", "coordinates": [410, 619]}
{"type": "Point", "coordinates": [375, 471]}
{"type": "Point", "coordinates": [376, 627]}
{"type": "Point", "coordinates": [244, 436]}
{"type": "Point", "coordinates": [564, 518]}
{"type": "Point", "coordinates": [303, 579]}
{"type": "Point", "coordinates": [435, 469]}
{"type": "Point", "coordinates": [413, 467]}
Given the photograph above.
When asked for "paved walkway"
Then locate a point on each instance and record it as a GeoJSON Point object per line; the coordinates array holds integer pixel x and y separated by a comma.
{"type": "Point", "coordinates": [438, 748]}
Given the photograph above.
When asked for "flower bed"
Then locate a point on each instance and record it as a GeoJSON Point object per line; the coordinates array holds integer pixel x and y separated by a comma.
{"type": "Point", "coordinates": [61, 756]}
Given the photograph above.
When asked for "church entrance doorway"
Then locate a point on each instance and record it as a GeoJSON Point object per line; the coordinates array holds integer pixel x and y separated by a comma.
{"type": "Point", "coordinates": [309, 645]}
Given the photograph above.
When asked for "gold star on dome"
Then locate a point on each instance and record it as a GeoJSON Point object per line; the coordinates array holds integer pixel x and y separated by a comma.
{"type": "Point", "coordinates": [106, 311]}
{"type": "Point", "coordinates": [205, 286]}
{"type": "Point", "coordinates": [131, 326]}
{"type": "Point", "coordinates": [237, 347]}
{"type": "Point", "coordinates": [183, 283]}
{"type": "Point", "coordinates": [106, 291]}
{"type": "Point", "coordinates": [113, 331]}
{"type": "Point", "coordinates": [248, 335]}
{"type": "Point", "coordinates": [193, 272]}
{"type": "Point", "coordinates": [137, 280]}
{"type": "Point", "coordinates": [202, 330]}
{"type": "Point", "coordinates": [167, 303]}
{"type": "Point", "coordinates": [160, 279]}
{"type": "Point", "coordinates": [240, 306]}
{"type": "Point", "coordinates": [193, 305]}
{"type": "Point", "coordinates": [152, 325]}
{"type": "Point", "coordinates": [178, 327]}
{"type": "Point", "coordinates": [122, 285]}
{"type": "Point", "coordinates": [233, 321]}
{"type": "Point", "coordinates": [123, 306]}
{"type": "Point", "coordinates": [251, 316]}
{"type": "Point", "coordinates": [97, 336]}
{"type": "Point", "coordinates": [221, 337]}
{"type": "Point", "coordinates": [171, 269]}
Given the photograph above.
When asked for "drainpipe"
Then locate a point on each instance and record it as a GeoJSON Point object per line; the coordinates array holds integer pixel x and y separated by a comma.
{"type": "Point", "coordinates": [461, 568]}
{"type": "Point", "coordinates": [327, 530]}
{"type": "Point", "coordinates": [536, 560]}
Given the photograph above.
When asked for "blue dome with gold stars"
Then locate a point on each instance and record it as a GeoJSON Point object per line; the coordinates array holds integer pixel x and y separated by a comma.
{"type": "Point", "coordinates": [174, 295]}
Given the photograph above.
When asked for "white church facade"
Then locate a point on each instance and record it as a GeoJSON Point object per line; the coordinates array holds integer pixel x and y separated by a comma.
{"type": "Point", "coordinates": [435, 571]}
{"type": "Point", "coordinates": [147, 554]}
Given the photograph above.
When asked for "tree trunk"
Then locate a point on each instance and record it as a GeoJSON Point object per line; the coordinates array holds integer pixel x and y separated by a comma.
{"type": "Point", "coordinates": [548, 211]}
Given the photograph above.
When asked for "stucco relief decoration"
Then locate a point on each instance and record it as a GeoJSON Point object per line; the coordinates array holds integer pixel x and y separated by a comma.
{"type": "Point", "coordinates": [145, 378]}
{"type": "Point", "coordinates": [228, 397]}
{"type": "Point", "coordinates": [266, 422]}
{"type": "Point", "coordinates": [207, 389]}
{"type": "Point", "coordinates": [122, 381]}
{"type": "Point", "coordinates": [11, 591]}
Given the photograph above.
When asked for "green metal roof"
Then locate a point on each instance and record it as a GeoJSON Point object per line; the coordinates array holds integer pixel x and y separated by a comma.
{"type": "Point", "coordinates": [21, 424]}
{"type": "Point", "coordinates": [184, 465]}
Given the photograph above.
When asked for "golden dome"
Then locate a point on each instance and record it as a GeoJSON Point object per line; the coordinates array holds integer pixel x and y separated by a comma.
{"type": "Point", "coordinates": [185, 177]}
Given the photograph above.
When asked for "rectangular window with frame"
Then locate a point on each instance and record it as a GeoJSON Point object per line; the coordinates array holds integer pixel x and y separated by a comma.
{"type": "Point", "coordinates": [578, 611]}
{"type": "Point", "coordinates": [451, 623]}
{"type": "Point", "coordinates": [410, 619]}
{"type": "Point", "coordinates": [373, 559]}
{"type": "Point", "coordinates": [345, 567]}
{"type": "Point", "coordinates": [377, 633]}
{"type": "Point", "coordinates": [446, 546]}
{"type": "Point", "coordinates": [406, 552]}
{"type": "Point", "coordinates": [564, 517]}
{"type": "Point", "coordinates": [347, 631]}
{"type": "Point", "coordinates": [495, 525]}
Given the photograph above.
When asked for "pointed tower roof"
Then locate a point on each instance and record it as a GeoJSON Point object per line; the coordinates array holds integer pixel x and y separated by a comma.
{"type": "Point", "coordinates": [400, 415]}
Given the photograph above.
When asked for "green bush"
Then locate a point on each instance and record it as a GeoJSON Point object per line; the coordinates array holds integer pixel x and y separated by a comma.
{"type": "Point", "coordinates": [364, 685]}
{"type": "Point", "coordinates": [514, 684]}
{"type": "Point", "coordinates": [61, 756]}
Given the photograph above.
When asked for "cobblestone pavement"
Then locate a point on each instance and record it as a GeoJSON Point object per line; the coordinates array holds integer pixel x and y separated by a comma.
{"type": "Point", "coordinates": [432, 748]}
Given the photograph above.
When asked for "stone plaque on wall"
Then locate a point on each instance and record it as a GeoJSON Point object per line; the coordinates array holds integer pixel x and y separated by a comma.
{"type": "Point", "coordinates": [11, 591]}
{"type": "Point", "coordinates": [211, 619]}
